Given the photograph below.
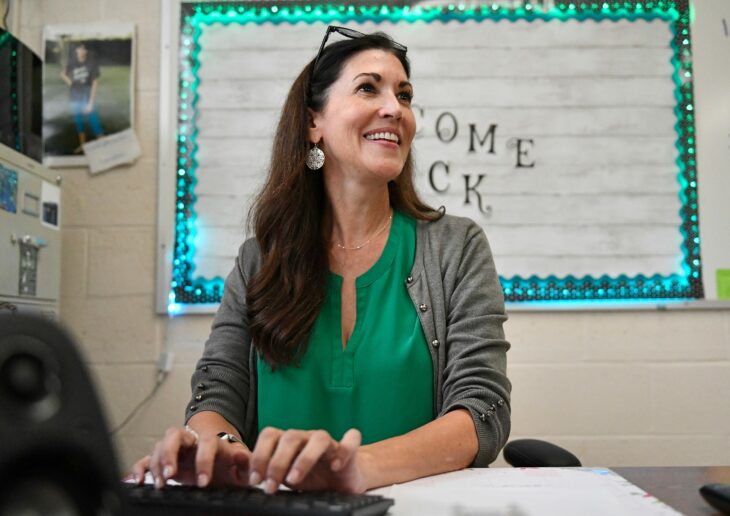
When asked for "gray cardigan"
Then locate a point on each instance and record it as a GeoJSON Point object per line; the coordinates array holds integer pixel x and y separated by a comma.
{"type": "Point", "coordinates": [455, 289]}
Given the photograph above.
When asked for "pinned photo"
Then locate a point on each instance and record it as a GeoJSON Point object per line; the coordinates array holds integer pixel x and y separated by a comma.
{"type": "Point", "coordinates": [88, 88]}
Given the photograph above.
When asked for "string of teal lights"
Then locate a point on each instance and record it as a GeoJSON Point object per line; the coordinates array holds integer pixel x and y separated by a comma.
{"type": "Point", "coordinates": [187, 289]}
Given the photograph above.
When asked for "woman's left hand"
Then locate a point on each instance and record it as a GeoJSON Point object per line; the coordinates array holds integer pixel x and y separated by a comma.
{"type": "Point", "coordinates": [310, 460]}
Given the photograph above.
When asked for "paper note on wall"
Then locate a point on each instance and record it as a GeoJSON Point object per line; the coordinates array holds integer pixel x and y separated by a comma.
{"type": "Point", "coordinates": [121, 148]}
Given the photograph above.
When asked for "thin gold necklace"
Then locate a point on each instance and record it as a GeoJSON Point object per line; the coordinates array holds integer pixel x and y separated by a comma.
{"type": "Point", "coordinates": [358, 247]}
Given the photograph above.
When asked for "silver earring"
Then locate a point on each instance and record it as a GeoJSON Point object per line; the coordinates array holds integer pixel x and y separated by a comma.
{"type": "Point", "coordinates": [315, 158]}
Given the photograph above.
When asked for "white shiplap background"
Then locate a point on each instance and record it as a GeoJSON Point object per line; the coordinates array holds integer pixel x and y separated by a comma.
{"type": "Point", "coordinates": [596, 99]}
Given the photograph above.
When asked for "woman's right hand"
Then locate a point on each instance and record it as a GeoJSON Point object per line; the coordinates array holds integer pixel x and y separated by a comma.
{"type": "Point", "coordinates": [192, 459]}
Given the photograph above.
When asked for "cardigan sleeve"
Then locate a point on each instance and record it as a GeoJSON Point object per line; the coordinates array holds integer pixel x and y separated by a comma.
{"type": "Point", "coordinates": [222, 380]}
{"type": "Point", "coordinates": [476, 356]}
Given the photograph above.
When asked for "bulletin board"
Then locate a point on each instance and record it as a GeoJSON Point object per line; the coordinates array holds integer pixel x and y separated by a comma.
{"type": "Point", "coordinates": [565, 129]}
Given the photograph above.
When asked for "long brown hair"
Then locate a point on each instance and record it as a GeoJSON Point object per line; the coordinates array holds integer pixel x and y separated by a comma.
{"type": "Point", "coordinates": [285, 297]}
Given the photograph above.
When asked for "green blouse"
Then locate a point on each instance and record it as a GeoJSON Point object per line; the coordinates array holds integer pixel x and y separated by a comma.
{"type": "Point", "coordinates": [382, 382]}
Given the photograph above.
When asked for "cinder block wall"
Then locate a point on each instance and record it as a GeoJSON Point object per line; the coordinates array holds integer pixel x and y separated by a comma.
{"type": "Point", "coordinates": [618, 388]}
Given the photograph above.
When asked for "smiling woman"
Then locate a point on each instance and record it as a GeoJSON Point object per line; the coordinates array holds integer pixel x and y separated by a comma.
{"type": "Point", "coordinates": [367, 125]}
{"type": "Point", "coordinates": [359, 341]}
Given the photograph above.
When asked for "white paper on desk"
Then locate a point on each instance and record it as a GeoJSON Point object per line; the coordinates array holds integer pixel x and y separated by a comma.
{"type": "Point", "coordinates": [524, 492]}
{"type": "Point", "coordinates": [111, 151]}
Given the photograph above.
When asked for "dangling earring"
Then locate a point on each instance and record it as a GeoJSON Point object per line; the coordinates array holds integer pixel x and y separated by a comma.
{"type": "Point", "coordinates": [315, 158]}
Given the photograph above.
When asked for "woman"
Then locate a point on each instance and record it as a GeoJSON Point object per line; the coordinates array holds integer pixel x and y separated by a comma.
{"type": "Point", "coordinates": [359, 341]}
{"type": "Point", "coordinates": [82, 76]}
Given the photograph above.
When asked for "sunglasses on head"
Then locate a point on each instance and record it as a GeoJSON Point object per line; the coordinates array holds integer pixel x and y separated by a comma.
{"type": "Point", "coordinates": [348, 33]}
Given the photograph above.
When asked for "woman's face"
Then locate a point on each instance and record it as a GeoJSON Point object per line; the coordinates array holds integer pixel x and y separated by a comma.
{"type": "Point", "coordinates": [367, 125]}
{"type": "Point", "coordinates": [81, 53]}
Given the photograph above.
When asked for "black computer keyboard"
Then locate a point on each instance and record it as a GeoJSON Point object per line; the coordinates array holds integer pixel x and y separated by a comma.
{"type": "Point", "coordinates": [191, 501]}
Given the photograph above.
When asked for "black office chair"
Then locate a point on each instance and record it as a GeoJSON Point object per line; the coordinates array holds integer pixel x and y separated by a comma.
{"type": "Point", "coordinates": [534, 453]}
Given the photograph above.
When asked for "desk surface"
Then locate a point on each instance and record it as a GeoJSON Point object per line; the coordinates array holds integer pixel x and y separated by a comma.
{"type": "Point", "coordinates": [574, 491]}
{"type": "Point", "coordinates": [678, 486]}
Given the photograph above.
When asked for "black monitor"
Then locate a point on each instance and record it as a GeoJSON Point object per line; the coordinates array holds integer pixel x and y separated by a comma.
{"type": "Point", "coordinates": [20, 97]}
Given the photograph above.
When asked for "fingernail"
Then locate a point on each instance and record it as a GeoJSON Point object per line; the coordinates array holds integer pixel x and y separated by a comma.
{"type": "Point", "coordinates": [167, 472]}
{"type": "Point", "coordinates": [269, 486]}
{"type": "Point", "coordinates": [336, 464]}
{"type": "Point", "coordinates": [293, 476]}
{"type": "Point", "coordinates": [254, 479]}
{"type": "Point", "coordinates": [202, 480]}
{"type": "Point", "coordinates": [159, 482]}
